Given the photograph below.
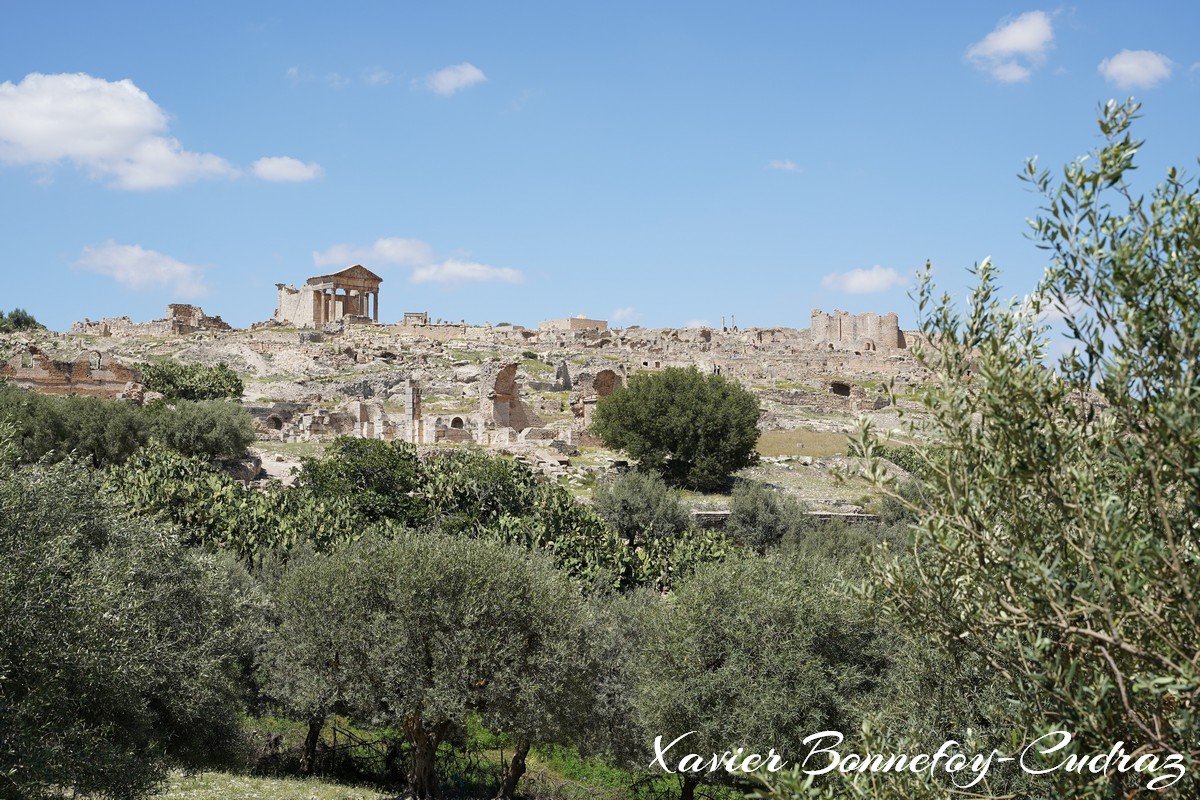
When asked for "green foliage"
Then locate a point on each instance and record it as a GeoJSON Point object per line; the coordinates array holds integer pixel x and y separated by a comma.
{"type": "Point", "coordinates": [693, 429]}
{"type": "Point", "coordinates": [218, 511]}
{"type": "Point", "coordinates": [756, 652]}
{"type": "Point", "coordinates": [120, 650]}
{"type": "Point", "coordinates": [101, 431]}
{"type": "Point", "coordinates": [108, 431]}
{"type": "Point", "coordinates": [431, 629]}
{"type": "Point", "coordinates": [215, 429]}
{"type": "Point", "coordinates": [641, 508]}
{"type": "Point", "coordinates": [178, 381]}
{"type": "Point", "coordinates": [762, 517]}
{"type": "Point", "coordinates": [18, 320]}
{"type": "Point", "coordinates": [379, 479]}
{"type": "Point", "coordinates": [1059, 535]}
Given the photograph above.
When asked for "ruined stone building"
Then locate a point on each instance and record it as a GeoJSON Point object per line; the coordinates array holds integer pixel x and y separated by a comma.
{"type": "Point", "coordinates": [579, 323]}
{"type": "Point", "coordinates": [352, 294]}
{"type": "Point", "coordinates": [92, 373]}
{"type": "Point", "coordinates": [867, 332]}
{"type": "Point", "coordinates": [181, 319]}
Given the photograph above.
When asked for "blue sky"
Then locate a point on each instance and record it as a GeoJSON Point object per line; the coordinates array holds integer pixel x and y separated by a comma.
{"type": "Point", "coordinates": [647, 163]}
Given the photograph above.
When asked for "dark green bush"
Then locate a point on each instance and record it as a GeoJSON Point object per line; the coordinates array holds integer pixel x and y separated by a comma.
{"type": "Point", "coordinates": [641, 507]}
{"type": "Point", "coordinates": [178, 381]}
{"type": "Point", "coordinates": [18, 320]}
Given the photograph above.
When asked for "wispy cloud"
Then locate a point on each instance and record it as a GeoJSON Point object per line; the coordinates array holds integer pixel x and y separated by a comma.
{"type": "Point", "coordinates": [391, 250]}
{"type": "Point", "coordinates": [455, 271]}
{"type": "Point", "coordinates": [111, 129]}
{"type": "Point", "coordinates": [378, 76]}
{"type": "Point", "coordinates": [864, 281]}
{"type": "Point", "coordinates": [1015, 48]}
{"type": "Point", "coordinates": [1136, 69]}
{"type": "Point", "coordinates": [624, 314]}
{"type": "Point", "coordinates": [784, 164]}
{"type": "Point", "coordinates": [139, 269]}
{"type": "Point", "coordinates": [285, 169]}
{"type": "Point", "coordinates": [337, 80]}
{"type": "Point", "coordinates": [697, 323]}
{"type": "Point", "coordinates": [453, 79]}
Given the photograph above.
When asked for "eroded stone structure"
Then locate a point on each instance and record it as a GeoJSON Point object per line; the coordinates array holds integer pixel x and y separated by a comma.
{"type": "Point", "coordinates": [352, 294]}
{"type": "Point", "coordinates": [181, 319]}
{"type": "Point", "coordinates": [92, 373]}
{"type": "Point", "coordinates": [579, 323]}
{"type": "Point", "coordinates": [867, 332]}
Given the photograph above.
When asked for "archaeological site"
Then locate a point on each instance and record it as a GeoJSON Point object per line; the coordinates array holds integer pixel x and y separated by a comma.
{"type": "Point", "coordinates": [326, 363]}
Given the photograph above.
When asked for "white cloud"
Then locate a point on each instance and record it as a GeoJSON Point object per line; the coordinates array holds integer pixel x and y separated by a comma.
{"type": "Point", "coordinates": [112, 129]}
{"type": "Point", "coordinates": [1015, 48]}
{"type": "Point", "coordinates": [697, 323]}
{"type": "Point", "coordinates": [140, 269]}
{"type": "Point", "coordinates": [337, 80]}
{"type": "Point", "coordinates": [455, 271]}
{"type": "Point", "coordinates": [785, 164]}
{"type": "Point", "coordinates": [1136, 69]}
{"type": "Point", "coordinates": [864, 281]}
{"type": "Point", "coordinates": [393, 250]}
{"type": "Point", "coordinates": [626, 314]}
{"type": "Point", "coordinates": [283, 168]}
{"type": "Point", "coordinates": [378, 76]}
{"type": "Point", "coordinates": [454, 79]}
{"type": "Point", "coordinates": [293, 73]}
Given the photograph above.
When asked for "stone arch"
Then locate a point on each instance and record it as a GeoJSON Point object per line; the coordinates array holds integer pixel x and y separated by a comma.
{"type": "Point", "coordinates": [457, 422]}
{"type": "Point", "coordinates": [94, 359]}
{"type": "Point", "coordinates": [869, 345]}
{"type": "Point", "coordinates": [839, 388]}
{"type": "Point", "coordinates": [274, 423]}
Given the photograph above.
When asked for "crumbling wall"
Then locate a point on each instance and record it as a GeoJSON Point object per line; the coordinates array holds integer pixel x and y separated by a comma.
{"type": "Point", "coordinates": [92, 373]}
{"type": "Point", "coordinates": [181, 319]}
{"type": "Point", "coordinates": [867, 332]}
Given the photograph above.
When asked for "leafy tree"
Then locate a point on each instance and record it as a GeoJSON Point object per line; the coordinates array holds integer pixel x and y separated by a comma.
{"type": "Point", "coordinates": [214, 429]}
{"type": "Point", "coordinates": [693, 429]}
{"type": "Point", "coordinates": [755, 652]}
{"type": "Point", "coordinates": [1059, 536]}
{"type": "Point", "coordinates": [18, 320]}
{"type": "Point", "coordinates": [178, 381]}
{"type": "Point", "coordinates": [641, 507]}
{"type": "Point", "coordinates": [379, 479]}
{"type": "Point", "coordinates": [761, 517]}
{"type": "Point", "coordinates": [430, 630]}
{"type": "Point", "coordinates": [120, 650]}
{"type": "Point", "coordinates": [107, 432]}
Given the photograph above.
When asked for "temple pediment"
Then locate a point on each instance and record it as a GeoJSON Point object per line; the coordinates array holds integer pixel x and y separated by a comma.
{"type": "Point", "coordinates": [357, 273]}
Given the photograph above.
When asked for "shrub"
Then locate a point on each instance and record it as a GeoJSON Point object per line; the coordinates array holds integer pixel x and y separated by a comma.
{"type": "Point", "coordinates": [213, 429]}
{"type": "Point", "coordinates": [18, 320]}
{"type": "Point", "coordinates": [641, 507]}
{"type": "Point", "coordinates": [761, 517]}
{"type": "Point", "coordinates": [178, 381]}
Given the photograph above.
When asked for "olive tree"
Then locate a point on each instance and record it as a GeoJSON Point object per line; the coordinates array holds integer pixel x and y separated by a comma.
{"type": "Point", "coordinates": [754, 652]}
{"type": "Point", "coordinates": [692, 428]}
{"type": "Point", "coordinates": [1057, 540]}
{"type": "Point", "coordinates": [422, 630]}
{"type": "Point", "coordinates": [121, 651]}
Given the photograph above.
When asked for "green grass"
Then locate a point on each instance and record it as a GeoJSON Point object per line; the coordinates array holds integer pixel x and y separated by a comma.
{"type": "Point", "coordinates": [292, 449]}
{"type": "Point", "coordinates": [227, 786]}
{"type": "Point", "coordinates": [801, 443]}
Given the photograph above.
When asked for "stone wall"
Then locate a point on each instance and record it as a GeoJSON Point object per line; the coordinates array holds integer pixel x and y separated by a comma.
{"type": "Point", "coordinates": [92, 373]}
{"type": "Point", "coordinates": [867, 332]}
{"type": "Point", "coordinates": [181, 319]}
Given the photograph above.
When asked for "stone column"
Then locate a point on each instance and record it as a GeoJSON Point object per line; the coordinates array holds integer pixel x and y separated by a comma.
{"type": "Point", "coordinates": [375, 305]}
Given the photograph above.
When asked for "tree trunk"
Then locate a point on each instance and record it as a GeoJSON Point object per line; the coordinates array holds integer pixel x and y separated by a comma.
{"type": "Point", "coordinates": [514, 770]}
{"type": "Point", "coordinates": [308, 759]}
{"type": "Point", "coordinates": [422, 771]}
{"type": "Point", "coordinates": [688, 792]}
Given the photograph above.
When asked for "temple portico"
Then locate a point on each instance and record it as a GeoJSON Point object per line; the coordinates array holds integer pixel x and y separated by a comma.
{"type": "Point", "coordinates": [351, 293]}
